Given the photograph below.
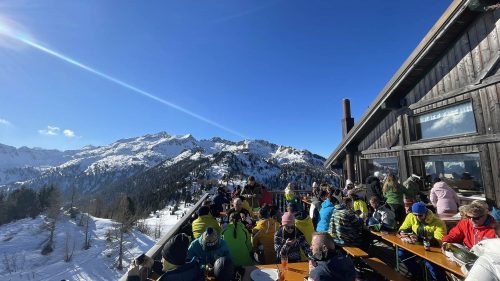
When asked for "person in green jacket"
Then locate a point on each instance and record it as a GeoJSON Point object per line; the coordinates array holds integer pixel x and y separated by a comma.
{"type": "Point", "coordinates": [393, 194]}
{"type": "Point", "coordinates": [204, 220]}
{"type": "Point", "coordinates": [238, 241]}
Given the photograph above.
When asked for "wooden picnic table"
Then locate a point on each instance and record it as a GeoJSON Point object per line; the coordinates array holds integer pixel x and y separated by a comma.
{"type": "Point", "coordinates": [434, 256]}
{"type": "Point", "coordinates": [296, 271]}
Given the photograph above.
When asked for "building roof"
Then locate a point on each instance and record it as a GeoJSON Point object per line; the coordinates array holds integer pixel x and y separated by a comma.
{"type": "Point", "coordinates": [444, 32]}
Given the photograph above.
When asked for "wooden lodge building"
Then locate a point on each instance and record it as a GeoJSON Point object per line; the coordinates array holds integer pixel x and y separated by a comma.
{"type": "Point", "coordinates": [439, 115]}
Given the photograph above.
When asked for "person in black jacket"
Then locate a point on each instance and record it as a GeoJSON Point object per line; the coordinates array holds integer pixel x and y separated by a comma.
{"type": "Point", "coordinates": [219, 199]}
{"type": "Point", "coordinates": [374, 188]}
{"type": "Point", "coordinates": [173, 265]}
{"type": "Point", "coordinates": [327, 263]}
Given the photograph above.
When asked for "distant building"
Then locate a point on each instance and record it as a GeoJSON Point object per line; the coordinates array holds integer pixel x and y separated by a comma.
{"type": "Point", "coordinates": [439, 115]}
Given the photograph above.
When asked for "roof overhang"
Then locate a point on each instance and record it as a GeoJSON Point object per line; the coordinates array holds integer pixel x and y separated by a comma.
{"type": "Point", "coordinates": [444, 32]}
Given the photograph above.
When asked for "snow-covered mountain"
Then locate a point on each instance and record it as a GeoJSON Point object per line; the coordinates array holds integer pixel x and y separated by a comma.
{"type": "Point", "coordinates": [93, 168]}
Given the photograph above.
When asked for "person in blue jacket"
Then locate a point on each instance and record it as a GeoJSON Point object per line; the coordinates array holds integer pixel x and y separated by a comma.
{"type": "Point", "coordinates": [327, 208]}
{"type": "Point", "coordinates": [208, 248]}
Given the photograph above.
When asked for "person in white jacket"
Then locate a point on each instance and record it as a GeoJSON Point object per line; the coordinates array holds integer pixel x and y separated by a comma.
{"type": "Point", "coordinates": [487, 266]}
{"type": "Point", "coordinates": [382, 215]}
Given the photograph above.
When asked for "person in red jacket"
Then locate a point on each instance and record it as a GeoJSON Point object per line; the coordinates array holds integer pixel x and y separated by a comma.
{"type": "Point", "coordinates": [478, 225]}
{"type": "Point", "coordinates": [267, 197]}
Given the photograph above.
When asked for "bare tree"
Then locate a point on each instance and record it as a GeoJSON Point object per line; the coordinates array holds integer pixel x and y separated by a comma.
{"type": "Point", "coordinates": [86, 244]}
{"type": "Point", "coordinates": [53, 210]}
{"type": "Point", "coordinates": [125, 215]}
{"type": "Point", "coordinates": [70, 247]}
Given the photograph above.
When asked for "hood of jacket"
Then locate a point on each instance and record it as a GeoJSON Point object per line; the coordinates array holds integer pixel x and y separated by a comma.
{"type": "Point", "coordinates": [267, 226]}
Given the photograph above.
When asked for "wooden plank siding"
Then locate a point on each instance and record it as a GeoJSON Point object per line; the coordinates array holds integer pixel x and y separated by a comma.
{"type": "Point", "coordinates": [457, 76]}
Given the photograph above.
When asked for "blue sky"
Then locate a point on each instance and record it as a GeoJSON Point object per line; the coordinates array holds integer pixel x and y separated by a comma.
{"type": "Point", "coordinates": [273, 70]}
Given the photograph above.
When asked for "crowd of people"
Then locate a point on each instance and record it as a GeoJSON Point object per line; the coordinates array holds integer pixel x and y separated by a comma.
{"type": "Point", "coordinates": [220, 240]}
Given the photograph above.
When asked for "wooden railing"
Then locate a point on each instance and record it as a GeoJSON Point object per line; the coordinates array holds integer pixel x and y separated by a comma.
{"type": "Point", "coordinates": [279, 198]}
{"type": "Point", "coordinates": [155, 251]}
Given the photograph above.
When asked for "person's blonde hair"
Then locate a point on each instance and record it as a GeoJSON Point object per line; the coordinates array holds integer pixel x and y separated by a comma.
{"type": "Point", "coordinates": [463, 210]}
{"type": "Point", "coordinates": [477, 209]}
{"type": "Point", "coordinates": [391, 183]}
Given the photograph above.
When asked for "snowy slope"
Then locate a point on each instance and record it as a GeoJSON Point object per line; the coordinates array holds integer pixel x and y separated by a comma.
{"type": "Point", "coordinates": [21, 243]}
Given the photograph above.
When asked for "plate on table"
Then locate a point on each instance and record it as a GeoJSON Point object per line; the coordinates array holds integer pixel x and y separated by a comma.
{"type": "Point", "coordinates": [264, 274]}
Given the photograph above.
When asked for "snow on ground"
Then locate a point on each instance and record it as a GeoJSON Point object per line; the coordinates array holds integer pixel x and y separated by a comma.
{"type": "Point", "coordinates": [164, 219]}
{"type": "Point", "coordinates": [21, 243]}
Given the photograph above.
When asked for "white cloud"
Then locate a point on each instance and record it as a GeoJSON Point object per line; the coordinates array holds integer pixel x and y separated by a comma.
{"type": "Point", "coordinates": [50, 131]}
{"type": "Point", "coordinates": [5, 122]}
{"type": "Point", "coordinates": [68, 133]}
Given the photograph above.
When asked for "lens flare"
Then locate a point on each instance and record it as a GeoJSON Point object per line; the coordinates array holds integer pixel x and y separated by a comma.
{"type": "Point", "coordinates": [8, 31]}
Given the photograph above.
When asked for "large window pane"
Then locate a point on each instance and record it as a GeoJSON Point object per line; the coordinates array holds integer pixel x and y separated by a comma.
{"type": "Point", "coordinates": [453, 120]}
{"type": "Point", "coordinates": [460, 171]}
{"type": "Point", "coordinates": [383, 165]}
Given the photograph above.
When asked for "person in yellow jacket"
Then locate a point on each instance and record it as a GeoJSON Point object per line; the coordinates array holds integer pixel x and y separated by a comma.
{"type": "Point", "coordinates": [359, 206]}
{"type": "Point", "coordinates": [304, 223]}
{"type": "Point", "coordinates": [263, 237]}
{"type": "Point", "coordinates": [421, 225]}
{"type": "Point", "coordinates": [204, 220]}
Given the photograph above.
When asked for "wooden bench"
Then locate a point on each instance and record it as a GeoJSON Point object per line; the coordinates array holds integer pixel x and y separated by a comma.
{"type": "Point", "coordinates": [375, 263]}
{"type": "Point", "coordinates": [383, 269]}
{"type": "Point", "coordinates": [355, 252]}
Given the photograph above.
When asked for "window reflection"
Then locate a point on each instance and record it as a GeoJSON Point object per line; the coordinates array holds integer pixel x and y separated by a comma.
{"type": "Point", "coordinates": [460, 171]}
{"type": "Point", "coordinates": [384, 166]}
{"type": "Point", "coordinates": [453, 120]}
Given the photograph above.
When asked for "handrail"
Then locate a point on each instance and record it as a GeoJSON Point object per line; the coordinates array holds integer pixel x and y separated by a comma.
{"type": "Point", "coordinates": [155, 251]}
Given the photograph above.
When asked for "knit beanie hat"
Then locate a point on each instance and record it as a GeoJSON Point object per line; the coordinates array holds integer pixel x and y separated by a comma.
{"type": "Point", "coordinates": [210, 238]}
{"type": "Point", "coordinates": [175, 250]}
{"type": "Point", "coordinates": [288, 219]}
{"type": "Point", "coordinates": [419, 208]}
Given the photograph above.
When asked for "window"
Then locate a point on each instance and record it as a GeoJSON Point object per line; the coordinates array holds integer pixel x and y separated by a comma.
{"type": "Point", "coordinates": [453, 120]}
{"type": "Point", "coordinates": [383, 165]}
{"type": "Point", "coordinates": [460, 171]}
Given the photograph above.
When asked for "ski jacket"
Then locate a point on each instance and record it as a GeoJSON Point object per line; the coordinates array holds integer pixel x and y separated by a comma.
{"type": "Point", "coordinates": [345, 226]}
{"type": "Point", "coordinates": [204, 256]}
{"type": "Point", "coordinates": [338, 268]}
{"type": "Point", "coordinates": [267, 198]}
{"type": "Point", "coordinates": [263, 236]}
{"type": "Point", "coordinates": [394, 195]}
{"type": "Point", "coordinates": [292, 251]}
{"type": "Point", "coordinates": [444, 198]}
{"type": "Point", "coordinates": [385, 215]}
{"type": "Point", "coordinates": [325, 214]}
{"type": "Point", "coordinates": [465, 232]}
{"type": "Point", "coordinates": [256, 192]}
{"type": "Point", "coordinates": [433, 225]}
{"type": "Point", "coordinates": [306, 227]}
{"type": "Point", "coordinates": [202, 222]}
{"type": "Point", "coordinates": [487, 266]}
{"type": "Point", "coordinates": [239, 246]}
{"type": "Point", "coordinates": [411, 189]}
{"type": "Point", "coordinates": [373, 188]}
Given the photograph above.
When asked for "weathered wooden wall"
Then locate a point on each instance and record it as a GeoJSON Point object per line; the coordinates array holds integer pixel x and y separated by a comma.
{"type": "Point", "coordinates": [468, 71]}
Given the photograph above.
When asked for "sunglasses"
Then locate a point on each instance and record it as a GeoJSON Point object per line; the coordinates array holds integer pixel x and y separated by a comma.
{"type": "Point", "coordinates": [420, 215]}
{"type": "Point", "coordinates": [474, 218]}
{"type": "Point", "coordinates": [289, 227]}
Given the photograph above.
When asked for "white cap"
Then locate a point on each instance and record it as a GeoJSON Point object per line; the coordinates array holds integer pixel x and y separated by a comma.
{"type": "Point", "coordinates": [376, 174]}
{"type": "Point", "coordinates": [348, 182]}
{"type": "Point", "coordinates": [315, 184]}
